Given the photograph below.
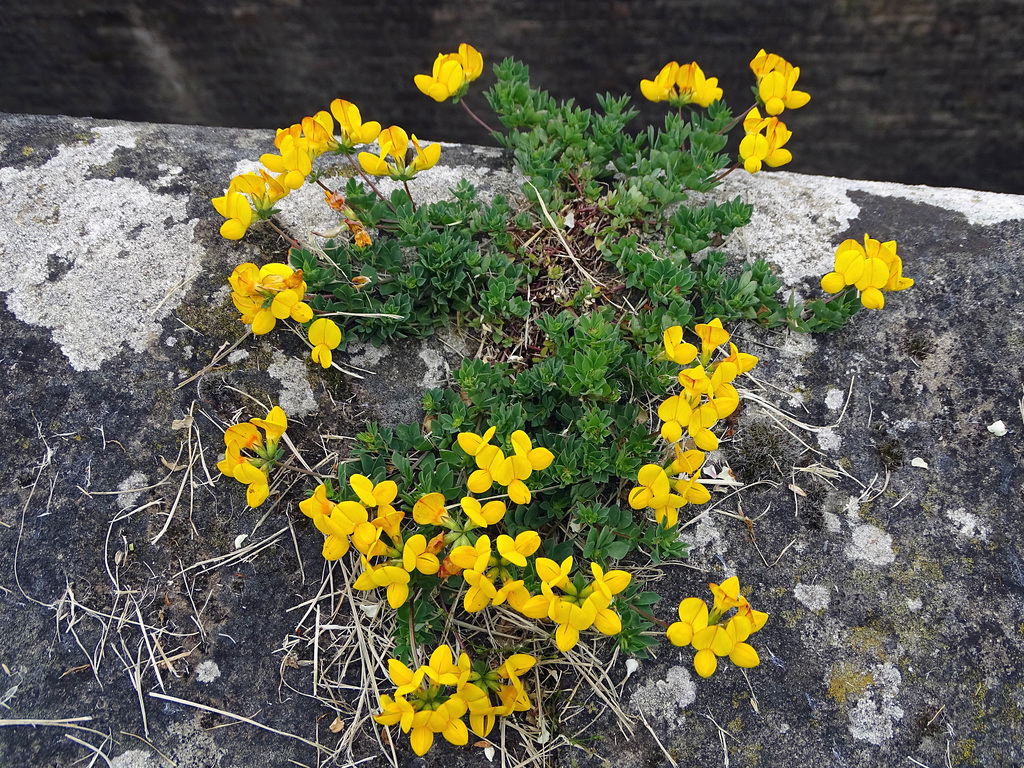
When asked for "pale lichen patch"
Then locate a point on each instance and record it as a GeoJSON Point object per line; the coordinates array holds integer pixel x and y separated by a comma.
{"type": "Point", "coordinates": [967, 524]}
{"type": "Point", "coordinates": [872, 719]}
{"type": "Point", "coordinates": [871, 544]}
{"type": "Point", "coordinates": [98, 261]}
{"type": "Point", "coordinates": [815, 597]}
{"type": "Point", "coordinates": [296, 398]}
{"type": "Point", "coordinates": [666, 699]}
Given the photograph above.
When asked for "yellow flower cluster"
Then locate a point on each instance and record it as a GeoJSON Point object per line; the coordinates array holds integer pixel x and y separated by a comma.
{"type": "Point", "coordinates": [766, 136]}
{"type": "Point", "coordinates": [267, 294]}
{"type": "Point", "coordinates": [434, 698]}
{"type": "Point", "coordinates": [707, 391]}
{"type": "Point", "coordinates": [764, 142]}
{"type": "Point", "coordinates": [655, 489]}
{"type": "Point", "coordinates": [680, 85]}
{"type": "Point", "coordinates": [348, 522]}
{"type": "Point", "coordinates": [452, 73]}
{"type": "Point", "coordinates": [776, 79]}
{"type": "Point", "coordinates": [394, 148]}
{"type": "Point", "coordinates": [872, 268]}
{"type": "Point", "coordinates": [578, 605]}
{"type": "Point", "coordinates": [493, 466]}
{"type": "Point", "coordinates": [253, 195]}
{"type": "Point", "coordinates": [254, 471]}
{"type": "Point", "coordinates": [481, 567]}
{"type": "Point", "coordinates": [712, 638]}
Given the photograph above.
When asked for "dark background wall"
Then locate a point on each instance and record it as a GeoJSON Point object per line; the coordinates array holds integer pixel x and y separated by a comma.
{"type": "Point", "coordinates": [918, 91]}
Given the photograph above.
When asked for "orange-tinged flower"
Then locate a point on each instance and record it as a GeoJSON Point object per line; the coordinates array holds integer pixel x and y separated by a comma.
{"type": "Point", "coordinates": [317, 504]}
{"type": "Point", "coordinates": [429, 509]}
{"type": "Point", "coordinates": [712, 335]}
{"type": "Point", "coordinates": [776, 79]}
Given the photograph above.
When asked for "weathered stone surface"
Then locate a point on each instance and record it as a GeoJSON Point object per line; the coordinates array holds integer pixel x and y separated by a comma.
{"type": "Point", "coordinates": [895, 597]}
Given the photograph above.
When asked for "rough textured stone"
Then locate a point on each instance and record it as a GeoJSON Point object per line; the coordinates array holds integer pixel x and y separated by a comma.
{"type": "Point", "coordinates": [895, 590]}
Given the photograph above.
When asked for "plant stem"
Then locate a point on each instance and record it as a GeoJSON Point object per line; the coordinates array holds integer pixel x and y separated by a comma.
{"type": "Point", "coordinates": [738, 118]}
{"type": "Point", "coordinates": [370, 182]}
{"type": "Point", "coordinates": [648, 616]}
{"type": "Point", "coordinates": [412, 634]}
{"type": "Point", "coordinates": [725, 173]}
{"type": "Point", "coordinates": [294, 243]}
{"type": "Point", "coordinates": [473, 114]}
{"type": "Point", "coordinates": [411, 201]}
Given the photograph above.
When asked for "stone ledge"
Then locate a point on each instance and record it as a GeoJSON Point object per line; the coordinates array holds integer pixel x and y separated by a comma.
{"type": "Point", "coordinates": [896, 612]}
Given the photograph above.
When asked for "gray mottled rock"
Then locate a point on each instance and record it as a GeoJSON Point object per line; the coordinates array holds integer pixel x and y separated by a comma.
{"type": "Point", "coordinates": [895, 586]}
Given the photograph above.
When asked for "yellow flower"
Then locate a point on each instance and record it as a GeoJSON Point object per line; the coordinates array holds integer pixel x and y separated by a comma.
{"type": "Point", "coordinates": [415, 556]}
{"type": "Point", "coordinates": [246, 192]}
{"type": "Point", "coordinates": [776, 79]}
{"type": "Point", "coordinates": [394, 144]}
{"type": "Point", "coordinates": [269, 293]}
{"type": "Point", "coordinates": [676, 350]}
{"type": "Point", "coordinates": [677, 412]}
{"type": "Point", "coordinates": [353, 130]}
{"type": "Point", "coordinates": [515, 469]}
{"type": "Point", "coordinates": [452, 74]}
{"type": "Point", "coordinates": [488, 460]}
{"type": "Point", "coordinates": [324, 335]}
{"type": "Point", "coordinates": [693, 617]}
{"type": "Point", "coordinates": [681, 85]}
{"type": "Point", "coordinates": [871, 268]}
{"type": "Point", "coordinates": [472, 443]}
{"type": "Point", "coordinates": [395, 579]}
{"type": "Point", "coordinates": [338, 526]}
{"type": "Point", "coordinates": [757, 148]}
{"type": "Point", "coordinates": [253, 471]}
{"type": "Point", "coordinates": [483, 515]}
{"type": "Point", "coordinates": [235, 207]}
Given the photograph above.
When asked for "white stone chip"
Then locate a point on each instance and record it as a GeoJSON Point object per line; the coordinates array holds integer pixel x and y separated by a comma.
{"type": "Point", "coordinates": [207, 671]}
{"type": "Point", "coordinates": [997, 428]}
{"type": "Point", "coordinates": [814, 597]}
{"type": "Point", "coordinates": [917, 461]}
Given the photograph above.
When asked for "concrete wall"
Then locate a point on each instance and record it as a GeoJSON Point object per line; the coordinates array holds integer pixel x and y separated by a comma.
{"type": "Point", "coordinates": [921, 91]}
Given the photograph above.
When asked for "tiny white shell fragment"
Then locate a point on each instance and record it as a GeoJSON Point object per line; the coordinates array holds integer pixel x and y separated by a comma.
{"type": "Point", "coordinates": [917, 461]}
{"type": "Point", "coordinates": [239, 539]}
{"type": "Point", "coordinates": [998, 428]}
{"type": "Point", "coordinates": [370, 609]}
{"type": "Point", "coordinates": [632, 665]}
{"type": "Point", "coordinates": [570, 220]}
{"type": "Point", "coordinates": [489, 754]}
